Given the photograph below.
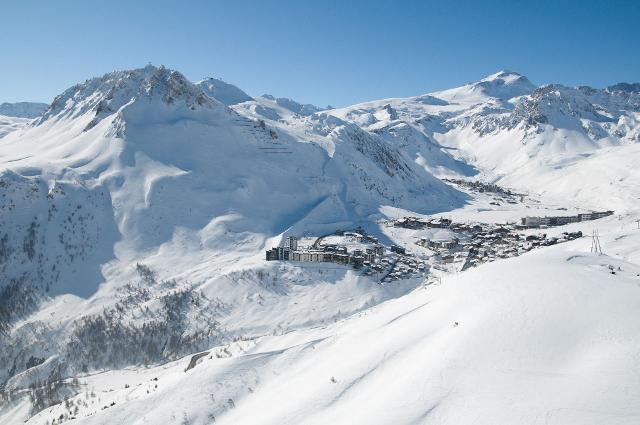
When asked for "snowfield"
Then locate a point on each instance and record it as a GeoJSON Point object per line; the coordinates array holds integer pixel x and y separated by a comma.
{"type": "Point", "coordinates": [10, 124]}
{"type": "Point", "coordinates": [546, 338]}
{"type": "Point", "coordinates": [552, 140]}
{"type": "Point", "coordinates": [135, 212]}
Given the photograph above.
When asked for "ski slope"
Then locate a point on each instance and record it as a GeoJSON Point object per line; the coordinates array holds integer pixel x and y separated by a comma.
{"type": "Point", "coordinates": [135, 212]}
{"type": "Point", "coordinates": [546, 338]}
{"type": "Point", "coordinates": [137, 209]}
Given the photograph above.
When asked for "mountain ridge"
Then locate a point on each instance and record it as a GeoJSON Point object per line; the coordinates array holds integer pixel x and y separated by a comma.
{"type": "Point", "coordinates": [23, 109]}
{"type": "Point", "coordinates": [136, 210]}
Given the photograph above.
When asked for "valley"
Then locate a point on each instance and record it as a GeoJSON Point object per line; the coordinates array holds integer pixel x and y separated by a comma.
{"type": "Point", "coordinates": [182, 252]}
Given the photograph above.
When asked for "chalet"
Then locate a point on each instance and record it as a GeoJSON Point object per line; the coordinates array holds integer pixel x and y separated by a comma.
{"type": "Point", "coordinates": [356, 236]}
{"type": "Point", "coordinates": [460, 255]}
{"type": "Point", "coordinates": [441, 243]}
{"type": "Point", "coordinates": [573, 235]}
{"type": "Point", "coordinates": [398, 249]}
{"type": "Point", "coordinates": [401, 222]}
{"type": "Point", "coordinates": [410, 223]}
{"type": "Point", "coordinates": [500, 230]}
{"type": "Point", "coordinates": [371, 239]}
{"type": "Point", "coordinates": [448, 259]}
{"type": "Point", "coordinates": [440, 223]}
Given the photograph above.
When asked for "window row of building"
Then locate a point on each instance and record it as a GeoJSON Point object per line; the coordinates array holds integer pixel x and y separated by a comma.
{"type": "Point", "coordinates": [419, 223]}
{"type": "Point", "coordinates": [328, 254]}
{"type": "Point", "coordinates": [562, 220]}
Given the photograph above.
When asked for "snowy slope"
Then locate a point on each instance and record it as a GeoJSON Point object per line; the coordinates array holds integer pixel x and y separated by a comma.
{"type": "Point", "coordinates": [152, 128]}
{"type": "Point", "coordinates": [546, 338]}
{"type": "Point", "coordinates": [502, 86]}
{"type": "Point", "coordinates": [415, 123]}
{"type": "Point", "coordinates": [9, 124]}
{"type": "Point", "coordinates": [135, 211]}
{"type": "Point", "coordinates": [14, 116]}
{"type": "Point", "coordinates": [137, 208]}
{"type": "Point", "coordinates": [222, 91]}
{"type": "Point", "coordinates": [520, 135]}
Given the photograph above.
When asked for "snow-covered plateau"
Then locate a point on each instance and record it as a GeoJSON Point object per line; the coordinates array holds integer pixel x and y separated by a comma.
{"type": "Point", "coordinates": [136, 210]}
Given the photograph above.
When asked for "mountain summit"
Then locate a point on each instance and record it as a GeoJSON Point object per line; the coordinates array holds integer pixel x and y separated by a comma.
{"type": "Point", "coordinates": [106, 95]}
{"type": "Point", "coordinates": [505, 85]}
{"type": "Point", "coordinates": [135, 214]}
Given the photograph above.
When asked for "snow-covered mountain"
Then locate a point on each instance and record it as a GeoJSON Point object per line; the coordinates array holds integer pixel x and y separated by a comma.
{"type": "Point", "coordinates": [223, 92]}
{"type": "Point", "coordinates": [136, 209]}
{"type": "Point", "coordinates": [543, 131]}
{"type": "Point", "coordinates": [16, 115]}
{"type": "Point", "coordinates": [23, 109]}
{"type": "Point", "coordinates": [520, 339]}
{"type": "Point", "coordinates": [501, 86]}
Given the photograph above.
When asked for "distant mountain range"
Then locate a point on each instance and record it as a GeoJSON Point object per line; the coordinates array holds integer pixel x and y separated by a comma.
{"type": "Point", "coordinates": [135, 209]}
{"type": "Point", "coordinates": [23, 109]}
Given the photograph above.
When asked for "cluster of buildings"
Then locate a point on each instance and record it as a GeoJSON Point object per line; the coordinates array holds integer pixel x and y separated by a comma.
{"type": "Point", "coordinates": [365, 254]}
{"type": "Point", "coordinates": [331, 253]}
{"type": "Point", "coordinates": [422, 223]}
{"type": "Point", "coordinates": [535, 222]}
{"type": "Point", "coordinates": [466, 245]}
{"type": "Point", "coordinates": [473, 244]}
{"type": "Point", "coordinates": [438, 243]}
{"type": "Point", "coordinates": [388, 269]}
{"type": "Point", "coordinates": [473, 241]}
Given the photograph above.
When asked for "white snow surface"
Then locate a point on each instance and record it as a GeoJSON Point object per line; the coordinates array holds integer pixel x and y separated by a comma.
{"type": "Point", "coordinates": [9, 124]}
{"type": "Point", "coordinates": [546, 338]}
{"type": "Point", "coordinates": [553, 140]}
{"type": "Point", "coordinates": [138, 207]}
{"type": "Point", "coordinates": [142, 166]}
{"type": "Point", "coordinates": [223, 91]}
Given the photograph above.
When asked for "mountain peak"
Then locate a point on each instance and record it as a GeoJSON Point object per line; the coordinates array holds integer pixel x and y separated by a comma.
{"type": "Point", "coordinates": [107, 94]}
{"type": "Point", "coordinates": [505, 75]}
{"type": "Point", "coordinates": [625, 87]}
{"type": "Point", "coordinates": [502, 85]}
{"type": "Point", "coordinates": [505, 84]}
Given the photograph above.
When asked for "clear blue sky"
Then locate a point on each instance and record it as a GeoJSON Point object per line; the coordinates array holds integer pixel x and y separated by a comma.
{"type": "Point", "coordinates": [322, 52]}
